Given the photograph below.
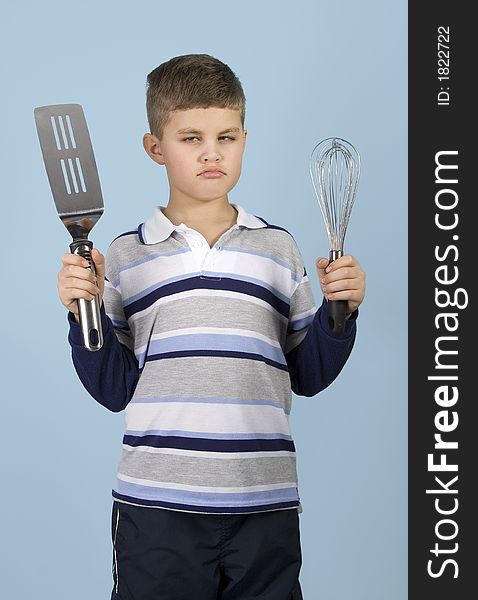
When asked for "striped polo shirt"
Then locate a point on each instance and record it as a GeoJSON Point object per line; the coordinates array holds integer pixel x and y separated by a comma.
{"type": "Point", "coordinates": [203, 347]}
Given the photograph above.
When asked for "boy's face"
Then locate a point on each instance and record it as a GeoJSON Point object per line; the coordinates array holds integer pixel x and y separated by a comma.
{"type": "Point", "coordinates": [197, 139]}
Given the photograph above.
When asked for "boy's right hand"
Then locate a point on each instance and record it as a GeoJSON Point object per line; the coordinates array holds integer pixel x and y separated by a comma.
{"type": "Point", "coordinates": [76, 281]}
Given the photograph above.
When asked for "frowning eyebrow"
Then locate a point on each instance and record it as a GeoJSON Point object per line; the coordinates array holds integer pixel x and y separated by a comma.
{"type": "Point", "coordinates": [197, 132]}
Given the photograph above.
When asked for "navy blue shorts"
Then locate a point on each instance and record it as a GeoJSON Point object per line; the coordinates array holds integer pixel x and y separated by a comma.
{"type": "Point", "coordinates": [161, 554]}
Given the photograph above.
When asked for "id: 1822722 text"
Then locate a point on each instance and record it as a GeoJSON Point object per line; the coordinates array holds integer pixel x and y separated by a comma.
{"type": "Point", "coordinates": [443, 65]}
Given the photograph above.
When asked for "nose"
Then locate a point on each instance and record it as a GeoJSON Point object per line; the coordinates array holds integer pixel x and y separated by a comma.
{"type": "Point", "coordinates": [211, 154]}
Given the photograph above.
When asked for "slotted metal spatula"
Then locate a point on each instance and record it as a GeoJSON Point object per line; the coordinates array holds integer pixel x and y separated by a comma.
{"type": "Point", "coordinates": [71, 168]}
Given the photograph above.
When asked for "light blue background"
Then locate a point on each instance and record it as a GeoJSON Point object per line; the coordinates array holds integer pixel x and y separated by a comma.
{"type": "Point", "coordinates": [310, 69]}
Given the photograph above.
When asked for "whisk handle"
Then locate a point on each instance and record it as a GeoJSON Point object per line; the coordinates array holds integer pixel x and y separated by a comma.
{"type": "Point", "coordinates": [336, 314]}
{"type": "Point", "coordinates": [336, 309]}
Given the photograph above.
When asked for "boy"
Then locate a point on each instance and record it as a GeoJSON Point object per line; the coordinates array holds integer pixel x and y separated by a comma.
{"type": "Point", "coordinates": [209, 322]}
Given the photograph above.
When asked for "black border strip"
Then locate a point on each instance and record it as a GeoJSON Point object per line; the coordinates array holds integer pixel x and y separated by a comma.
{"type": "Point", "coordinates": [442, 272]}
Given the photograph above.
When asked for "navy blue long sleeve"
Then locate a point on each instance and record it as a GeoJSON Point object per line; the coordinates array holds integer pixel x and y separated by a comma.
{"type": "Point", "coordinates": [319, 358]}
{"type": "Point", "coordinates": [110, 374]}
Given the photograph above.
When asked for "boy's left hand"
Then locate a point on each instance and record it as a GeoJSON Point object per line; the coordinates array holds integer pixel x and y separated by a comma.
{"type": "Point", "coordinates": [342, 279]}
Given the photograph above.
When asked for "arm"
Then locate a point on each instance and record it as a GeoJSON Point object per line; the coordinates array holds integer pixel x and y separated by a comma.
{"type": "Point", "coordinates": [314, 357]}
{"type": "Point", "coordinates": [318, 358]}
{"type": "Point", "coordinates": [110, 374]}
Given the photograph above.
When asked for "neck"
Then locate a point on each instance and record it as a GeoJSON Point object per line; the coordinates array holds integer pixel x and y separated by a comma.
{"type": "Point", "coordinates": [195, 214]}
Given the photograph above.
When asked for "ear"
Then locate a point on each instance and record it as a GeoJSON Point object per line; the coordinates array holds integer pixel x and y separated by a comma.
{"type": "Point", "coordinates": [152, 145]}
{"type": "Point", "coordinates": [245, 137]}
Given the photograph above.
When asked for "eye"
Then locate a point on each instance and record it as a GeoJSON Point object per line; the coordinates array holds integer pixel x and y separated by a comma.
{"type": "Point", "coordinates": [222, 137]}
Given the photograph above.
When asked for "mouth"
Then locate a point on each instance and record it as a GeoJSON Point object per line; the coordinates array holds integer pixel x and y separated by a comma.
{"type": "Point", "coordinates": [211, 173]}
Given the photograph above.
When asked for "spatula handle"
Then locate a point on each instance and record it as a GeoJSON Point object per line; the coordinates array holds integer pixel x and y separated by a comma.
{"type": "Point", "coordinates": [89, 310]}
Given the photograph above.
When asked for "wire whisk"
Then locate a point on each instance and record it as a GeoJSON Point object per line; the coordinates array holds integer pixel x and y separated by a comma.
{"type": "Point", "coordinates": [335, 172]}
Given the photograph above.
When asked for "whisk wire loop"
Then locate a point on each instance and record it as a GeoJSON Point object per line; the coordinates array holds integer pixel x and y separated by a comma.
{"type": "Point", "coordinates": [335, 171]}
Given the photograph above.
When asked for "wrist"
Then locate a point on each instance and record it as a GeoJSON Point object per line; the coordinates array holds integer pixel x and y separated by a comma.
{"type": "Point", "coordinates": [74, 316]}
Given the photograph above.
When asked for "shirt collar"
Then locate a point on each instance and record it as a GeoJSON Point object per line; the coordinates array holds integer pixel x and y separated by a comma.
{"type": "Point", "coordinates": [158, 227]}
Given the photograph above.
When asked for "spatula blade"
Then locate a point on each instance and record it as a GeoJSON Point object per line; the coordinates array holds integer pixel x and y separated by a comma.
{"type": "Point", "coordinates": [70, 165]}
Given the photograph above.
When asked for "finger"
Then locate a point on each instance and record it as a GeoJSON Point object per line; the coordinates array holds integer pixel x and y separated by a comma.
{"type": "Point", "coordinates": [76, 272]}
{"type": "Point", "coordinates": [80, 294]}
{"type": "Point", "coordinates": [343, 273]}
{"type": "Point", "coordinates": [69, 297]}
{"type": "Point", "coordinates": [99, 261]}
{"type": "Point", "coordinates": [342, 285]}
{"type": "Point", "coordinates": [321, 264]}
{"type": "Point", "coordinates": [349, 295]}
{"type": "Point", "coordinates": [74, 259]}
{"type": "Point", "coordinates": [68, 287]}
{"type": "Point", "coordinates": [71, 284]}
{"type": "Point", "coordinates": [347, 260]}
